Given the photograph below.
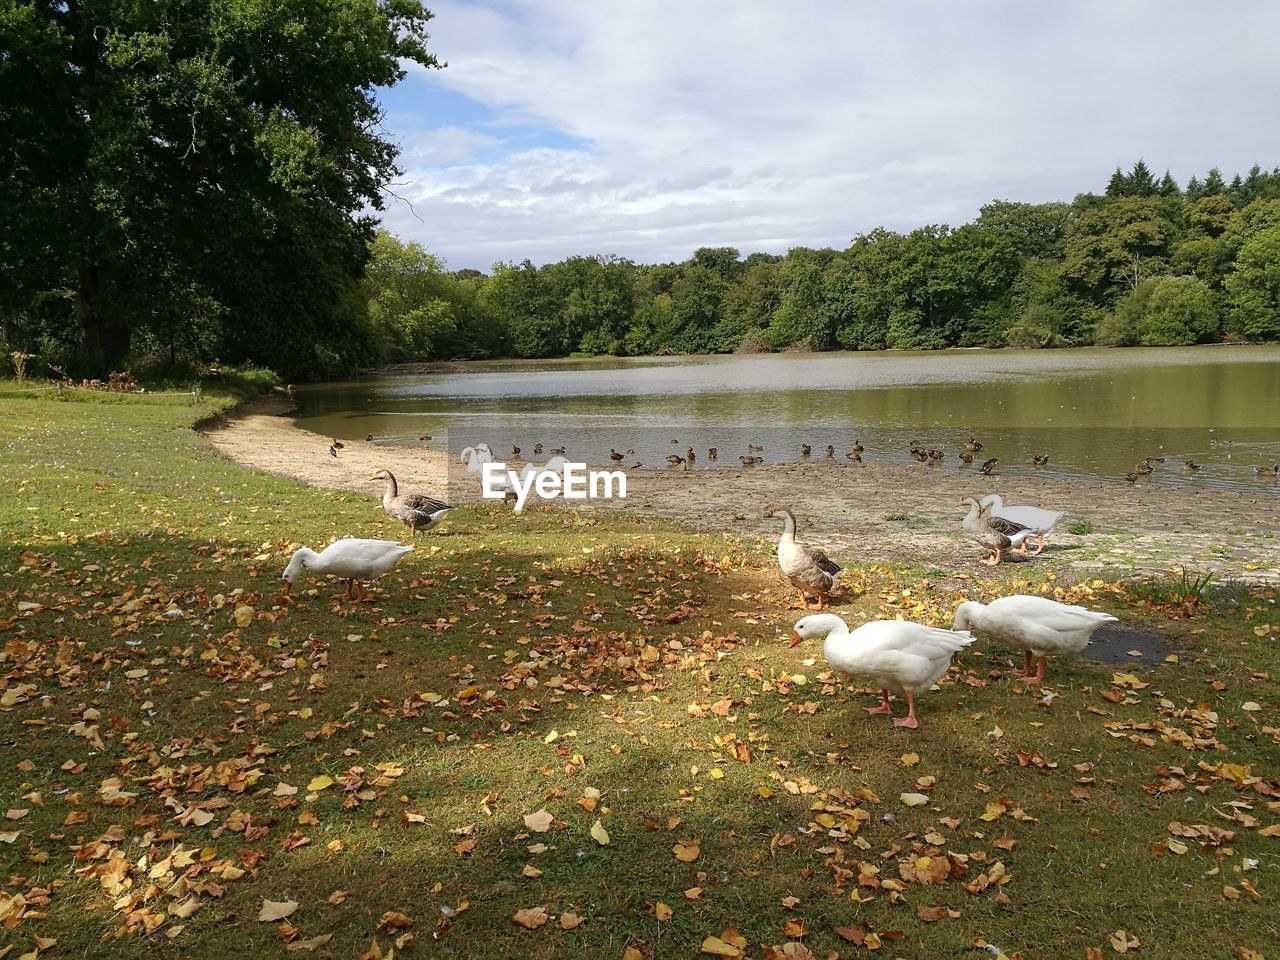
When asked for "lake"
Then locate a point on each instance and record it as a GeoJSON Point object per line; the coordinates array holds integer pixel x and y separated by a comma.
{"type": "Point", "coordinates": [1093, 412]}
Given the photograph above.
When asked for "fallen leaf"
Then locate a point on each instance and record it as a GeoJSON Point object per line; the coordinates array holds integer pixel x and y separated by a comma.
{"type": "Point", "coordinates": [569, 921]}
{"type": "Point", "coordinates": [276, 910]}
{"type": "Point", "coordinates": [913, 799]}
{"type": "Point", "coordinates": [687, 851]}
{"type": "Point", "coordinates": [599, 834]}
{"type": "Point", "coordinates": [310, 943]}
{"type": "Point", "coordinates": [539, 822]}
{"type": "Point", "coordinates": [662, 912]}
{"type": "Point", "coordinates": [531, 918]}
{"type": "Point", "coordinates": [322, 782]}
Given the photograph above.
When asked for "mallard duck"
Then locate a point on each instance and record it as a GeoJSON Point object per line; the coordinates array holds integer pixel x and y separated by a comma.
{"type": "Point", "coordinates": [988, 466]}
{"type": "Point", "coordinates": [1038, 625]}
{"type": "Point", "coordinates": [368, 438]}
{"type": "Point", "coordinates": [615, 456]}
{"type": "Point", "coordinates": [899, 656]}
{"type": "Point", "coordinates": [1222, 443]}
{"type": "Point", "coordinates": [1143, 469]}
{"type": "Point", "coordinates": [750, 461]}
{"type": "Point", "coordinates": [810, 571]}
{"type": "Point", "coordinates": [353, 560]}
{"type": "Point", "coordinates": [1153, 461]}
{"type": "Point", "coordinates": [337, 444]}
{"type": "Point", "coordinates": [995, 534]}
{"type": "Point", "coordinates": [675, 460]}
{"type": "Point", "coordinates": [537, 449]}
{"type": "Point", "coordinates": [966, 459]}
{"type": "Point", "coordinates": [920, 454]}
{"type": "Point", "coordinates": [1190, 466]}
{"type": "Point", "coordinates": [1040, 460]}
{"type": "Point", "coordinates": [1132, 478]}
{"type": "Point", "coordinates": [754, 448]}
{"type": "Point", "coordinates": [935, 456]}
{"type": "Point", "coordinates": [712, 453]}
{"type": "Point", "coordinates": [972, 445]}
{"type": "Point", "coordinates": [857, 446]}
{"type": "Point", "coordinates": [805, 450]}
{"type": "Point", "coordinates": [1268, 473]}
{"type": "Point", "coordinates": [690, 456]}
{"type": "Point", "coordinates": [1038, 519]}
{"type": "Point", "coordinates": [556, 452]}
{"type": "Point", "coordinates": [333, 451]}
{"type": "Point", "coordinates": [853, 456]}
{"type": "Point", "coordinates": [831, 451]}
{"type": "Point", "coordinates": [417, 511]}
{"type": "Point", "coordinates": [424, 438]}
{"type": "Point", "coordinates": [515, 453]}
{"type": "Point", "coordinates": [631, 453]}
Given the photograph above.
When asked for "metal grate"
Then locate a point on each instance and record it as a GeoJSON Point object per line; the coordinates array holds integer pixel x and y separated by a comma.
{"type": "Point", "coordinates": [1112, 643]}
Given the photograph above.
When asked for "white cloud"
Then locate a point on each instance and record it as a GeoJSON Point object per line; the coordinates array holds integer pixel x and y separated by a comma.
{"type": "Point", "coordinates": [764, 125]}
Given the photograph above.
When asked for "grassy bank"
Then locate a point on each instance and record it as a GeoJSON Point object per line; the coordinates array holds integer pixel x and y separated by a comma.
{"type": "Point", "coordinates": [177, 745]}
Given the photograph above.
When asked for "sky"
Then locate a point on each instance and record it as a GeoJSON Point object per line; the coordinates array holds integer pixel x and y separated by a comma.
{"type": "Point", "coordinates": [649, 129]}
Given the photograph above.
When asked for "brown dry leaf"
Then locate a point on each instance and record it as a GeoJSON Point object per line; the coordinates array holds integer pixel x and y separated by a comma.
{"type": "Point", "coordinates": [531, 918]}
{"type": "Point", "coordinates": [539, 822]}
{"type": "Point", "coordinates": [631, 953]}
{"type": "Point", "coordinates": [789, 951]}
{"type": "Point", "coordinates": [1092, 953]}
{"type": "Point", "coordinates": [693, 893]}
{"type": "Point", "coordinates": [662, 911]}
{"type": "Point", "coordinates": [393, 920]}
{"type": "Point", "coordinates": [569, 921]}
{"type": "Point", "coordinates": [276, 910]}
{"type": "Point", "coordinates": [687, 851]}
{"type": "Point", "coordinates": [853, 934]}
{"type": "Point", "coordinates": [1247, 954]}
{"type": "Point", "coordinates": [338, 896]}
{"type": "Point", "coordinates": [934, 914]}
{"type": "Point", "coordinates": [310, 943]}
{"type": "Point", "coordinates": [1122, 942]}
{"type": "Point", "coordinates": [529, 870]}
{"type": "Point", "coordinates": [794, 927]}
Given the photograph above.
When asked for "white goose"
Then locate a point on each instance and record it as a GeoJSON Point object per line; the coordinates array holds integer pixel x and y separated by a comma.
{"type": "Point", "coordinates": [1038, 625]}
{"type": "Point", "coordinates": [1039, 519]}
{"type": "Point", "coordinates": [353, 560]}
{"type": "Point", "coordinates": [476, 457]}
{"type": "Point", "coordinates": [905, 657]}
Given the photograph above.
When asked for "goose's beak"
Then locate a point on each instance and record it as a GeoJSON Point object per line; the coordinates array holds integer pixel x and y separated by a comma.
{"type": "Point", "coordinates": [959, 503]}
{"type": "Point", "coordinates": [288, 585]}
{"type": "Point", "coordinates": [795, 638]}
{"type": "Point", "coordinates": [375, 477]}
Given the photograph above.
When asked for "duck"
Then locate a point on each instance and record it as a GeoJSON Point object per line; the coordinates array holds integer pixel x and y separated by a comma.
{"type": "Point", "coordinates": [898, 655]}
{"type": "Point", "coordinates": [988, 466]}
{"type": "Point", "coordinates": [920, 454]}
{"type": "Point", "coordinates": [1190, 466]}
{"type": "Point", "coordinates": [417, 511]}
{"type": "Point", "coordinates": [368, 438]}
{"type": "Point", "coordinates": [1132, 478]}
{"type": "Point", "coordinates": [333, 451]}
{"type": "Point", "coordinates": [754, 448]}
{"type": "Point", "coordinates": [712, 453]}
{"type": "Point", "coordinates": [810, 571]}
{"type": "Point", "coordinates": [1039, 519]}
{"type": "Point", "coordinates": [425, 438]}
{"type": "Point", "coordinates": [966, 459]}
{"type": "Point", "coordinates": [615, 456]}
{"type": "Point", "coordinates": [631, 453]}
{"type": "Point", "coordinates": [805, 450]}
{"type": "Point", "coordinates": [675, 459]}
{"type": "Point", "coordinates": [1040, 460]}
{"type": "Point", "coordinates": [1143, 469]}
{"type": "Point", "coordinates": [750, 461]}
{"type": "Point", "coordinates": [831, 451]}
{"type": "Point", "coordinates": [853, 456]}
{"type": "Point", "coordinates": [515, 453]}
{"type": "Point", "coordinates": [1153, 461]}
{"type": "Point", "coordinates": [537, 449]}
{"type": "Point", "coordinates": [1037, 625]}
{"type": "Point", "coordinates": [286, 390]}
{"type": "Point", "coordinates": [972, 445]}
{"type": "Point", "coordinates": [337, 444]}
{"type": "Point", "coordinates": [995, 534]}
{"type": "Point", "coordinates": [1268, 473]}
{"type": "Point", "coordinates": [690, 456]}
{"type": "Point", "coordinates": [857, 446]}
{"type": "Point", "coordinates": [556, 451]}
{"type": "Point", "coordinates": [936, 456]}
{"type": "Point", "coordinates": [351, 559]}
{"type": "Point", "coordinates": [1222, 443]}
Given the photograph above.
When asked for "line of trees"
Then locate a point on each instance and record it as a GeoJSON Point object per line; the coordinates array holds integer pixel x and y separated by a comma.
{"type": "Point", "coordinates": [1145, 263]}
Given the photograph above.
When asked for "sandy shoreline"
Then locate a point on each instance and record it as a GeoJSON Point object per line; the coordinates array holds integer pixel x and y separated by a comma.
{"type": "Point", "coordinates": [844, 509]}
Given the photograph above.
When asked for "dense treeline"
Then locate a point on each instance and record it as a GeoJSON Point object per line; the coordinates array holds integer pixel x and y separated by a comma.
{"type": "Point", "coordinates": [190, 179]}
{"type": "Point", "coordinates": [1147, 262]}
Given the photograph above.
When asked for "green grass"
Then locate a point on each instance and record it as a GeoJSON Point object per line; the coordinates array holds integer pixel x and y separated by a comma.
{"type": "Point", "coordinates": [1080, 528]}
{"type": "Point", "coordinates": [513, 662]}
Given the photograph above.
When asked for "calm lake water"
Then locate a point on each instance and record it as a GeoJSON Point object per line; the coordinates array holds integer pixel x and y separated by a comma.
{"type": "Point", "coordinates": [1093, 412]}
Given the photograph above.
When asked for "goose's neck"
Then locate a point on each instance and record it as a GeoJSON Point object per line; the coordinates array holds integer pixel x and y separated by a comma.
{"type": "Point", "coordinates": [972, 516]}
{"type": "Point", "coordinates": [391, 490]}
{"type": "Point", "coordinates": [788, 526]}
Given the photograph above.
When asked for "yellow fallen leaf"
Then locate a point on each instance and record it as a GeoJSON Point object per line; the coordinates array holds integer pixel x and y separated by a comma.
{"type": "Point", "coordinates": [319, 783]}
{"type": "Point", "coordinates": [913, 799]}
{"type": "Point", "coordinates": [909, 759]}
{"type": "Point", "coordinates": [243, 616]}
{"type": "Point", "coordinates": [716, 946]}
{"type": "Point", "coordinates": [539, 822]}
{"type": "Point", "coordinates": [662, 912]}
{"type": "Point", "coordinates": [687, 851]}
{"type": "Point", "coordinates": [310, 943]}
{"type": "Point", "coordinates": [276, 910]}
{"type": "Point", "coordinates": [531, 918]}
{"type": "Point", "coordinates": [599, 834]}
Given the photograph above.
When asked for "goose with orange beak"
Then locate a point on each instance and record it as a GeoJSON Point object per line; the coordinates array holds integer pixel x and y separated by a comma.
{"type": "Point", "coordinates": [898, 656]}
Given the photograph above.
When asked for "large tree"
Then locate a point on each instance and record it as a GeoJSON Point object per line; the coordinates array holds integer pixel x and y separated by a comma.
{"type": "Point", "coordinates": [182, 167]}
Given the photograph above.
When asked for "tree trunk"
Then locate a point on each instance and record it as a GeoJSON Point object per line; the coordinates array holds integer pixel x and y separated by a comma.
{"type": "Point", "coordinates": [104, 340]}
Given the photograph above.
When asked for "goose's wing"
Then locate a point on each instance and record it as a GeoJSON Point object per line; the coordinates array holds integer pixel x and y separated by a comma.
{"type": "Point", "coordinates": [369, 551]}
{"type": "Point", "coordinates": [821, 561]}
{"type": "Point", "coordinates": [1060, 617]}
{"type": "Point", "coordinates": [422, 503]}
{"type": "Point", "coordinates": [1037, 518]}
{"type": "Point", "coordinates": [915, 638]}
{"type": "Point", "coordinates": [1005, 526]}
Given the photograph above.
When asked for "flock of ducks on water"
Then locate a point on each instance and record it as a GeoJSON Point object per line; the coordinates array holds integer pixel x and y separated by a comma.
{"type": "Point", "coordinates": [897, 656]}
